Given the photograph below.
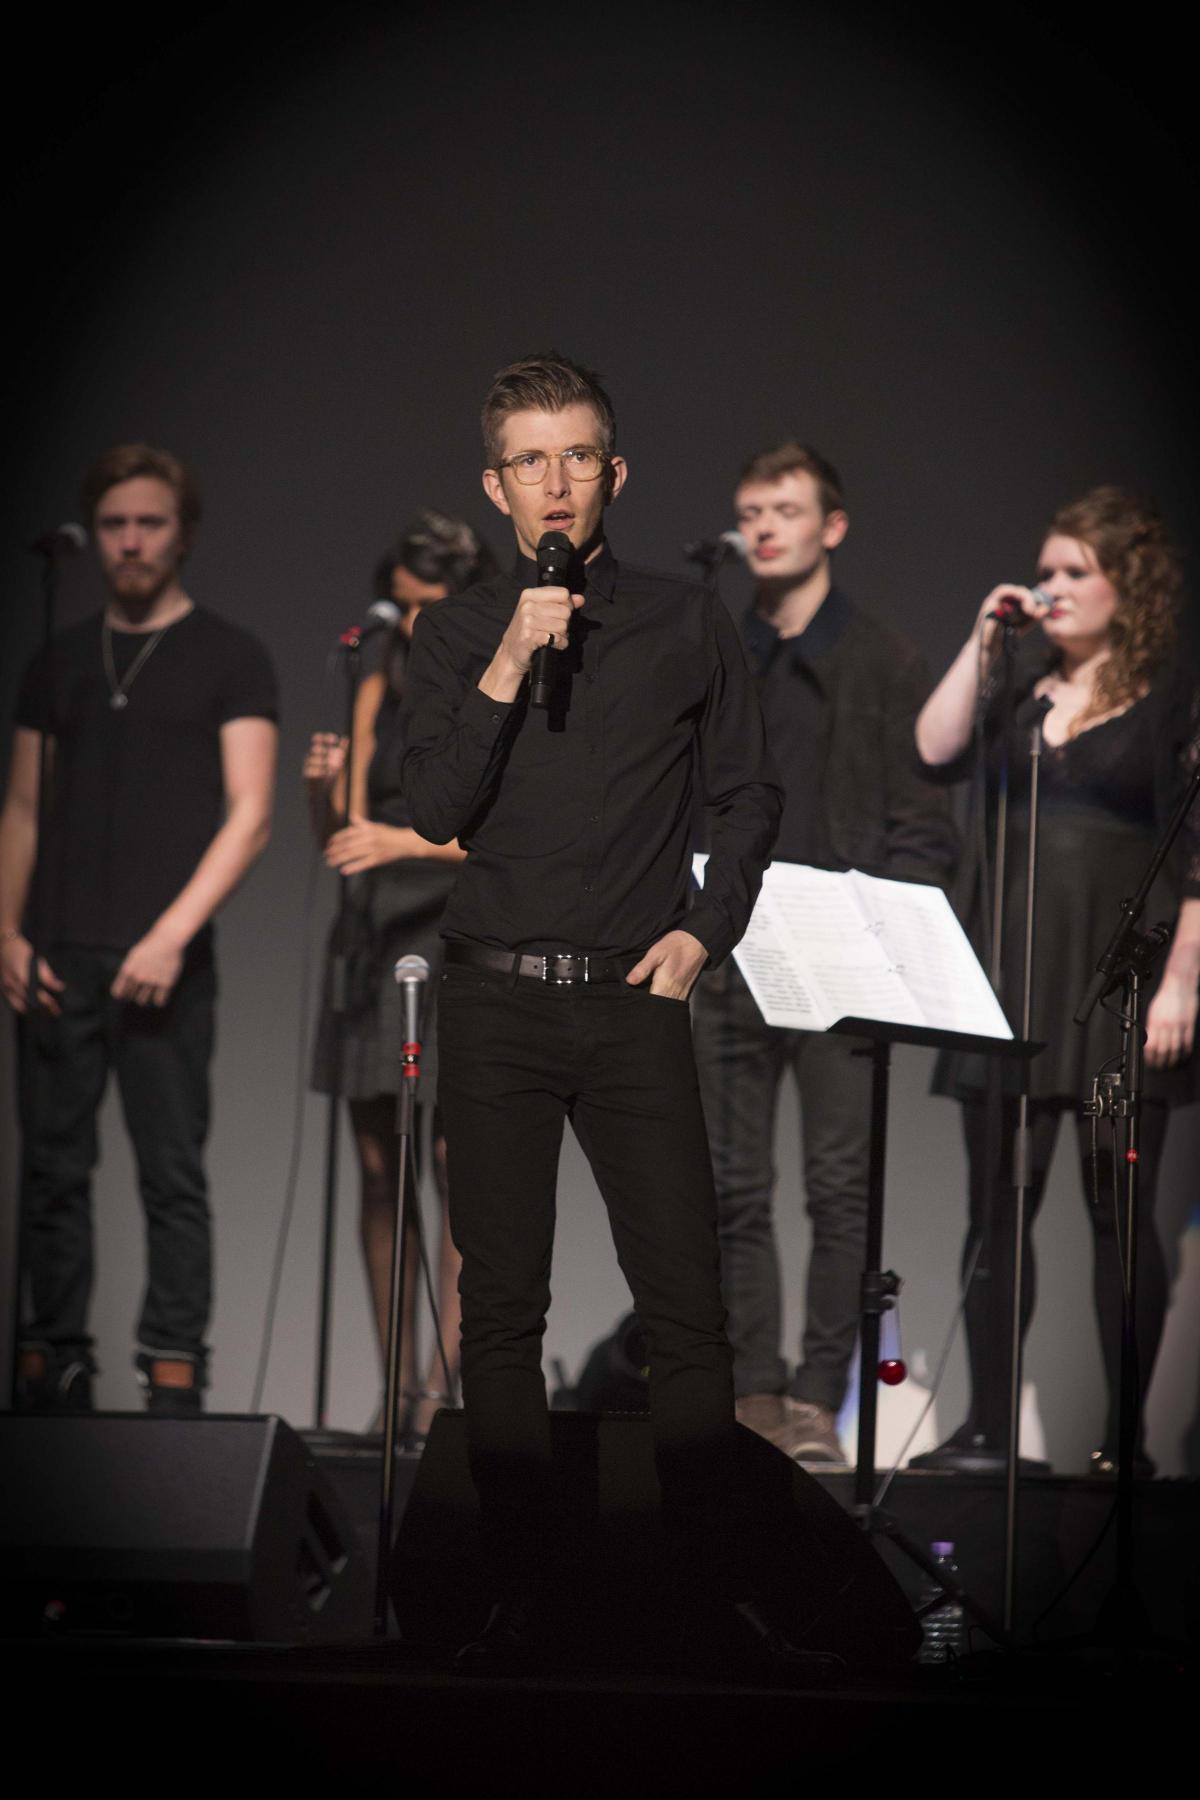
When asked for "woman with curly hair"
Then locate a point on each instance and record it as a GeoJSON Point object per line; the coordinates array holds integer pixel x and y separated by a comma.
{"type": "Point", "coordinates": [399, 885]}
{"type": "Point", "coordinates": [1121, 733]}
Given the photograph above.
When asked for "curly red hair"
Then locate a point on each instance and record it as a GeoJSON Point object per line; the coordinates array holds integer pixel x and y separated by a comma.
{"type": "Point", "coordinates": [1128, 539]}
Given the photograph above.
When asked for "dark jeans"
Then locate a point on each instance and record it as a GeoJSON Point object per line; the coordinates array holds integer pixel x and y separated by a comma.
{"type": "Point", "coordinates": [160, 1058]}
{"type": "Point", "coordinates": [742, 1061]}
{"type": "Point", "coordinates": [518, 1060]}
{"type": "Point", "coordinates": [988, 1310]}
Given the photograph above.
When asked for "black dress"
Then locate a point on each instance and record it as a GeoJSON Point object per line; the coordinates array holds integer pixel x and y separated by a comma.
{"type": "Point", "coordinates": [392, 911]}
{"type": "Point", "coordinates": [1105, 796]}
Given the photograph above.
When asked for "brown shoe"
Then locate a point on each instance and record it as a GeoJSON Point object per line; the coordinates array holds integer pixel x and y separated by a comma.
{"type": "Point", "coordinates": [767, 1415]}
{"type": "Point", "coordinates": [811, 1434]}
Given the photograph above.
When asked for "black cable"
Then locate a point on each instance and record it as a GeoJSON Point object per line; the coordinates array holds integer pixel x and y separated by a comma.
{"type": "Point", "coordinates": [300, 1101]}
{"type": "Point", "coordinates": [1065, 1589]}
{"type": "Point", "coordinates": [422, 1251]}
{"type": "Point", "coordinates": [979, 801]}
{"type": "Point", "coordinates": [983, 694]}
{"type": "Point", "coordinates": [299, 1107]}
{"type": "Point", "coordinates": [944, 1357]}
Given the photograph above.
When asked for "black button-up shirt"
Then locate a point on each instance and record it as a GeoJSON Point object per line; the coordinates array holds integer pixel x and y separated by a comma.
{"type": "Point", "coordinates": [577, 820]}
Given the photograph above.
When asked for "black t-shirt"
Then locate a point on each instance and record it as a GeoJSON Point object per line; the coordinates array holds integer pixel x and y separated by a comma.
{"type": "Point", "coordinates": [136, 794]}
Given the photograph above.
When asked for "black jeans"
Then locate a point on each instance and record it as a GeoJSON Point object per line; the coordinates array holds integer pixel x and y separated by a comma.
{"type": "Point", "coordinates": [988, 1309]}
{"type": "Point", "coordinates": [160, 1058]}
{"type": "Point", "coordinates": [518, 1059]}
{"type": "Point", "coordinates": [742, 1060]}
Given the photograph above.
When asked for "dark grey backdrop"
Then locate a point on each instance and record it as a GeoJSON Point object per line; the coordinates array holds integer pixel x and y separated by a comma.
{"type": "Point", "coordinates": [295, 252]}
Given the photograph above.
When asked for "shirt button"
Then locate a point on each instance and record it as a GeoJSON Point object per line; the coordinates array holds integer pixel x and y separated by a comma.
{"type": "Point", "coordinates": [587, 887]}
{"type": "Point", "coordinates": [593, 818]}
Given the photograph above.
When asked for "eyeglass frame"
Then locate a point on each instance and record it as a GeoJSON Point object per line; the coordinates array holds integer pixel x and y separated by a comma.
{"type": "Point", "coordinates": [605, 456]}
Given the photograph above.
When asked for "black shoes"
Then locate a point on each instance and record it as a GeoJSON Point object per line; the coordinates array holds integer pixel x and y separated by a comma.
{"type": "Point", "coordinates": [514, 1641]}
{"type": "Point", "coordinates": [172, 1384]}
{"type": "Point", "coordinates": [1103, 1462]}
{"type": "Point", "coordinates": [969, 1452]}
{"type": "Point", "coordinates": [49, 1382]}
{"type": "Point", "coordinates": [756, 1649]}
{"type": "Point", "coordinates": [729, 1640]}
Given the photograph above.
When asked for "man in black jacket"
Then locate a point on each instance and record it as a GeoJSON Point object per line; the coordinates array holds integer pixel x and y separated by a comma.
{"type": "Point", "coordinates": [840, 694]}
{"type": "Point", "coordinates": [571, 953]}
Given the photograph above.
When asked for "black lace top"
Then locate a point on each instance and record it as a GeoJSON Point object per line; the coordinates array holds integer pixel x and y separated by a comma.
{"type": "Point", "coordinates": [1105, 796]}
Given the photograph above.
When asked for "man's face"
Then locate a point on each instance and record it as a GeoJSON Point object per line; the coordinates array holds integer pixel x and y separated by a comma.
{"type": "Point", "coordinates": [788, 536]}
{"type": "Point", "coordinates": [139, 538]}
{"type": "Point", "coordinates": [556, 502]}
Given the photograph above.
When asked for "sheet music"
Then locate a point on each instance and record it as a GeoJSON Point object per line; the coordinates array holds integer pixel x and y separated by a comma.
{"type": "Point", "coordinates": [834, 941]}
{"type": "Point", "coordinates": [823, 946]}
{"type": "Point", "coordinates": [926, 943]}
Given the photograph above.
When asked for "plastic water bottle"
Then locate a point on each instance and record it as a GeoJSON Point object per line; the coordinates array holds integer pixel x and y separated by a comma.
{"type": "Point", "coordinates": [944, 1626]}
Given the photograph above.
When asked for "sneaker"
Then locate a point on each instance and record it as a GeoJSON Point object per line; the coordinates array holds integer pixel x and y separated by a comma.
{"type": "Point", "coordinates": [45, 1384]}
{"type": "Point", "coordinates": [812, 1434]}
{"type": "Point", "coordinates": [765, 1414]}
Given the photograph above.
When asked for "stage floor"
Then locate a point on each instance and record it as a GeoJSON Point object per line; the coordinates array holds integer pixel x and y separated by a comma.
{"type": "Point", "coordinates": [1061, 1519]}
{"type": "Point", "coordinates": [213, 1718]}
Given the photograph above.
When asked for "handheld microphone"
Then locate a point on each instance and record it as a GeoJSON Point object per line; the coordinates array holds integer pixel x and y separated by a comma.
{"type": "Point", "coordinates": [383, 615]}
{"type": "Point", "coordinates": [711, 552]}
{"type": "Point", "coordinates": [1011, 612]}
{"type": "Point", "coordinates": [64, 540]}
{"type": "Point", "coordinates": [554, 553]}
{"type": "Point", "coordinates": [410, 974]}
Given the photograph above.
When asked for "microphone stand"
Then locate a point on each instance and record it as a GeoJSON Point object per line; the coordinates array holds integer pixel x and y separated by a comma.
{"type": "Point", "coordinates": [1128, 962]}
{"type": "Point", "coordinates": [52, 551]}
{"type": "Point", "coordinates": [410, 1075]}
{"type": "Point", "coordinates": [1022, 1180]}
{"type": "Point", "coordinates": [350, 644]}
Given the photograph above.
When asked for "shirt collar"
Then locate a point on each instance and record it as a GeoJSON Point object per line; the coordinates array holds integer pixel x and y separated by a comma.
{"type": "Point", "coordinates": [819, 638]}
{"type": "Point", "coordinates": [600, 573]}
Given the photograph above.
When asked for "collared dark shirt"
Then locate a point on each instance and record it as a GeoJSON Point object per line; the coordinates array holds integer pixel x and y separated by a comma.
{"type": "Point", "coordinates": [577, 820]}
{"type": "Point", "coordinates": [796, 681]}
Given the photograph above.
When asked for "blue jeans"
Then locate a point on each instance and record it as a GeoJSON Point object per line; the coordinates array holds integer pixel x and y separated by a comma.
{"type": "Point", "coordinates": [742, 1061]}
{"type": "Point", "coordinates": [160, 1058]}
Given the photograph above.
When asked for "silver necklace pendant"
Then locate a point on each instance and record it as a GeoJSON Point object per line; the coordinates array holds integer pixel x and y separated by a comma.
{"type": "Point", "coordinates": [118, 700]}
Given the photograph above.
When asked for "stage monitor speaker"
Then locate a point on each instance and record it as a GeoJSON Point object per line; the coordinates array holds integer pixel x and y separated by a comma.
{"type": "Point", "coordinates": [824, 1582]}
{"type": "Point", "coordinates": [219, 1527]}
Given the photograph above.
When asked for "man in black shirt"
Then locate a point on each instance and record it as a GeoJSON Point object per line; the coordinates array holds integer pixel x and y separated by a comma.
{"type": "Point", "coordinates": [160, 726]}
{"type": "Point", "coordinates": [571, 953]}
{"type": "Point", "coordinates": [840, 693]}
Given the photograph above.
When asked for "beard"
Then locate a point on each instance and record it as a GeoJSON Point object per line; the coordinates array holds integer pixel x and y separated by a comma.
{"type": "Point", "coordinates": [138, 585]}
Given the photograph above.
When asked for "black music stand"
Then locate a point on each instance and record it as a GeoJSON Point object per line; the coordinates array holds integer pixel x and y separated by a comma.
{"type": "Point", "coordinates": [879, 1286]}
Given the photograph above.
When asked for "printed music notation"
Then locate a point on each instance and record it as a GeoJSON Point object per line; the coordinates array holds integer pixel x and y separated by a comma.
{"type": "Point", "coordinates": [823, 946]}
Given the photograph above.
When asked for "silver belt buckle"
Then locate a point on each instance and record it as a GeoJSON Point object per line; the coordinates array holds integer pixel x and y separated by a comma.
{"type": "Point", "coordinates": [564, 980]}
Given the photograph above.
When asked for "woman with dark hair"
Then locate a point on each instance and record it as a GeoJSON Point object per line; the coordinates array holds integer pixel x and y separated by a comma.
{"type": "Point", "coordinates": [398, 887]}
{"type": "Point", "coordinates": [1121, 734]}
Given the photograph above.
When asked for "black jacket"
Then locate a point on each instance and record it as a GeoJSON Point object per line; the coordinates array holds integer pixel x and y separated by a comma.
{"type": "Point", "coordinates": [877, 812]}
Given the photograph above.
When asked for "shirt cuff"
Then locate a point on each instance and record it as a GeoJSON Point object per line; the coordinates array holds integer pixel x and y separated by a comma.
{"type": "Point", "coordinates": [709, 924]}
{"type": "Point", "coordinates": [483, 716]}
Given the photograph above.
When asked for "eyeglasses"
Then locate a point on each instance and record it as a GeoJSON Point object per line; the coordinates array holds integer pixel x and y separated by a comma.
{"type": "Point", "coordinates": [580, 463]}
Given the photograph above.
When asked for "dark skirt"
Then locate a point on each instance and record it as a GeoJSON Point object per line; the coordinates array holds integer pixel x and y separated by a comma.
{"type": "Point", "coordinates": [1088, 863]}
{"type": "Point", "coordinates": [393, 911]}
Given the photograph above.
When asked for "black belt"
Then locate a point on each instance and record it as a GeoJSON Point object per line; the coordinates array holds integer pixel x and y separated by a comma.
{"type": "Point", "coordinates": [559, 971]}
